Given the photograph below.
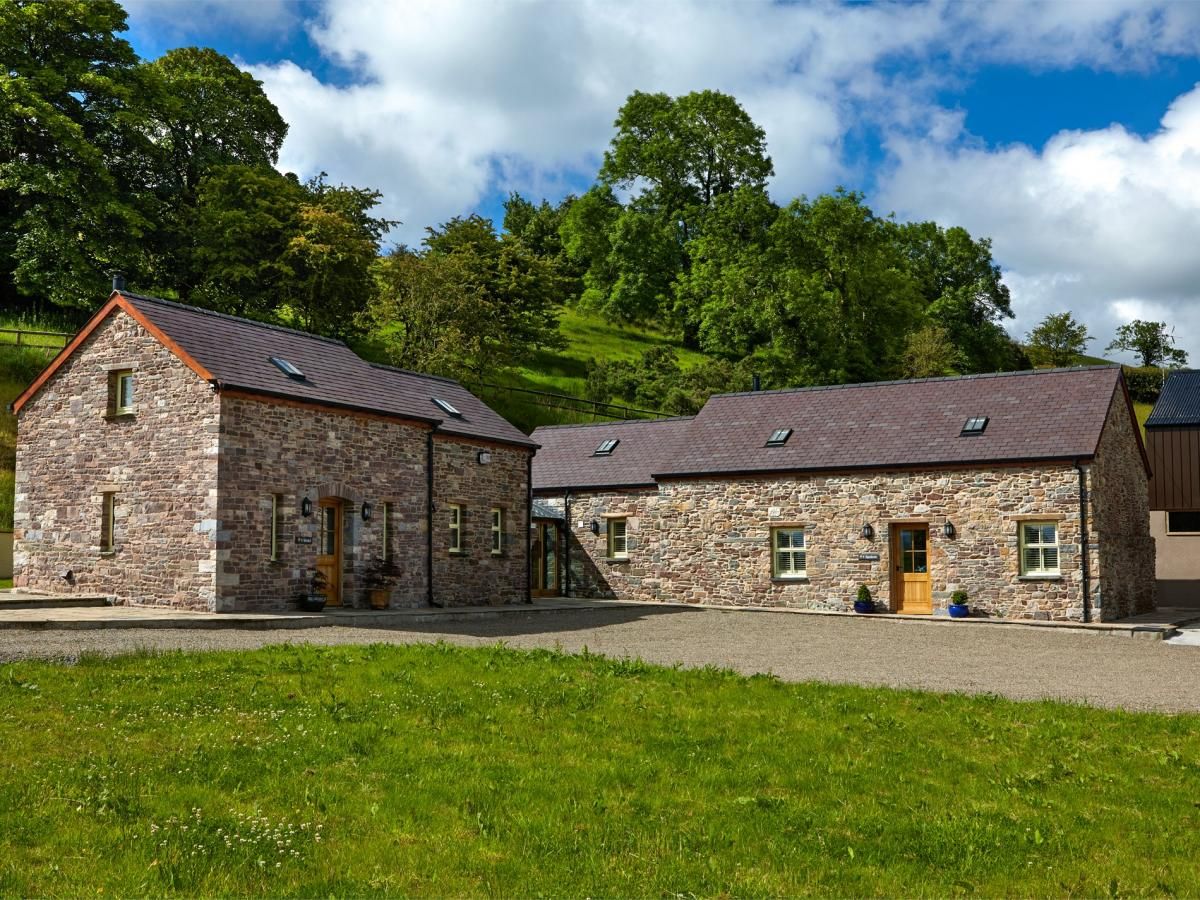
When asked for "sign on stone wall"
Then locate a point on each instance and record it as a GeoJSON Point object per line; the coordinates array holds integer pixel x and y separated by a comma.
{"type": "Point", "coordinates": [868, 557]}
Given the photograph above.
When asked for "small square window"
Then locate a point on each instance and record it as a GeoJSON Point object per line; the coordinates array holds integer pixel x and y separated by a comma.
{"type": "Point", "coordinates": [974, 425]}
{"type": "Point", "coordinates": [1039, 548]}
{"type": "Point", "coordinates": [120, 392]}
{"type": "Point", "coordinates": [497, 531]}
{"type": "Point", "coordinates": [789, 555]}
{"type": "Point", "coordinates": [606, 447]}
{"type": "Point", "coordinates": [779, 437]}
{"type": "Point", "coordinates": [618, 541]}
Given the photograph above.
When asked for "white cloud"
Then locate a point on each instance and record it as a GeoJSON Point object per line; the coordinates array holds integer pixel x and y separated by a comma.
{"type": "Point", "coordinates": [454, 100]}
{"type": "Point", "coordinates": [1099, 222]}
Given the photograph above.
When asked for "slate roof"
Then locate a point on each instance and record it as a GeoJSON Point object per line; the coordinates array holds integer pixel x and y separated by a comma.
{"type": "Point", "coordinates": [565, 458]}
{"type": "Point", "coordinates": [237, 353]}
{"type": "Point", "coordinates": [1052, 414]}
{"type": "Point", "coordinates": [1179, 402]}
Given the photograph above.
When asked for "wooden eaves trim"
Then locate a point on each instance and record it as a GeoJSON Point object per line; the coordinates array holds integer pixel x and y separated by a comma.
{"type": "Point", "coordinates": [115, 301]}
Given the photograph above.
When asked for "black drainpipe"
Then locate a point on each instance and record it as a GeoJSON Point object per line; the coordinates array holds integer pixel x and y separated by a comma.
{"type": "Point", "coordinates": [1083, 542]}
{"type": "Point", "coordinates": [567, 543]}
{"type": "Point", "coordinates": [429, 517]}
{"type": "Point", "coordinates": [529, 529]}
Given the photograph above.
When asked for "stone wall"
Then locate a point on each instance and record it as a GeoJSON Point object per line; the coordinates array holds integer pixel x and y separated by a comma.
{"type": "Point", "coordinates": [1120, 528]}
{"type": "Point", "coordinates": [161, 463]}
{"type": "Point", "coordinates": [475, 575]}
{"type": "Point", "coordinates": [294, 451]}
{"type": "Point", "coordinates": [708, 541]}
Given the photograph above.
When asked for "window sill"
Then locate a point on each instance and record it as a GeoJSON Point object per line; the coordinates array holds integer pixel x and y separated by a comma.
{"type": "Point", "coordinates": [120, 416]}
{"type": "Point", "coordinates": [1040, 577]}
{"type": "Point", "coordinates": [800, 579]}
{"type": "Point", "coordinates": [457, 553]}
{"type": "Point", "coordinates": [498, 554]}
{"type": "Point", "coordinates": [106, 553]}
{"type": "Point", "coordinates": [616, 559]}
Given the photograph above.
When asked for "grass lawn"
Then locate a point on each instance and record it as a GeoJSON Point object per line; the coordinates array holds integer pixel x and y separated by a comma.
{"type": "Point", "coordinates": [449, 771]}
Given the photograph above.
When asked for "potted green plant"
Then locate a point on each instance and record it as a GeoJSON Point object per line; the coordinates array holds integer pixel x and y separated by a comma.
{"type": "Point", "coordinates": [863, 602]}
{"type": "Point", "coordinates": [378, 579]}
{"type": "Point", "coordinates": [314, 599]}
{"type": "Point", "coordinates": [958, 605]}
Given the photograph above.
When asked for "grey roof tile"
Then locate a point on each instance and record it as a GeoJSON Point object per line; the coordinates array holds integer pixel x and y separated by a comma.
{"type": "Point", "coordinates": [237, 352]}
{"type": "Point", "coordinates": [1179, 402]}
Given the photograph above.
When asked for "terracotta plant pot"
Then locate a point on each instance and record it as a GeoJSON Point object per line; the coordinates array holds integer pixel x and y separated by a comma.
{"type": "Point", "coordinates": [380, 599]}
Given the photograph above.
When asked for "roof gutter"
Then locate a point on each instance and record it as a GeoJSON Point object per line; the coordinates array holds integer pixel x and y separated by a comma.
{"type": "Point", "coordinates": [1084, 562]}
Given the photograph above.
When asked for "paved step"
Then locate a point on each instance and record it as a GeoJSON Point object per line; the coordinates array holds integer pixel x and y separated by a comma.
{"type": "Point", "coordinates": [16, 600]}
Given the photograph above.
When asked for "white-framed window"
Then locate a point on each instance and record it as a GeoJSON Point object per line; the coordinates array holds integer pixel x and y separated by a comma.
{"type": "Point", "coordinates": [789, 555]}
{"type": "Point", "coordinates": [618, 540]}
{"type": "Point", "coordinates": [497, 531]}
{"type": "Point", "coordinates": [108, 522]}
{"type": "Point", "coordinates": [276, 503]}
{"type": "Point", "coordinates": [120, 392]}
{"type": "Point", "coordinates": [387, 531]}
{"type": "Point", "coordinates": [1039, 548]}
{"type": "Point", "coordinates": [455, 528]}
{"type": "Point", "coordinates": [1184, 521]}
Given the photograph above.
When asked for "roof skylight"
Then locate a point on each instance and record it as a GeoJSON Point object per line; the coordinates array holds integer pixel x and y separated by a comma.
{"type": "Point", "coordinates": [779, 437]}
{"type": "Point", "coordinates": [606, 447]}
{"type": "Point", "coordinates": [447, 407]}
{"type": "Point", "coordinates": [287, 368]}
{"type": "Point", "coordinates": [974, 425]}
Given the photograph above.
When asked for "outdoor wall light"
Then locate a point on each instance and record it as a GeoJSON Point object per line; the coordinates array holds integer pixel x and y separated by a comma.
{"type": "Point", "coordinates": [306, 507]}
{"type": "Point", "coordinates": [867, 531]}
{"type": "Point", "coordinates": [367, 509]}
{"type": "Point", "coordinates": [948, 529]}
{"type": "Point", "coordinates": [595, 527]}
{"type": "Point", "coordinates": [484, 457]}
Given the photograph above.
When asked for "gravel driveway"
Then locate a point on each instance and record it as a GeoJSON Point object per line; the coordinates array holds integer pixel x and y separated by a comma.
{"type": "Point", "coordinates": [1022, 663]}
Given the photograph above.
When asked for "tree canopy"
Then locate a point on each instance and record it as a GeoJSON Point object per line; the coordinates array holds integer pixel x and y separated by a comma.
{"type": "Point", "coordinates": [1058, 340]}
{"type": "Point", "coordinates": [1152, 342]}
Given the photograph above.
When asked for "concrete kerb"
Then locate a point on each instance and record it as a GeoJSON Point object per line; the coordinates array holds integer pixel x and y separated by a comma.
{"type": "Point", "coordinates": [47, 617]}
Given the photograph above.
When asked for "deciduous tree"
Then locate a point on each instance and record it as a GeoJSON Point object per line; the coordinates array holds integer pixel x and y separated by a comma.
{"type": "Point", "coordinates": [1151, 341]}
{"type": "Point", "coordinates": [1058, 340]}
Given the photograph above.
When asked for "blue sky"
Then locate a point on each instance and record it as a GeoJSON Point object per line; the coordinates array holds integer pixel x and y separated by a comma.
{"type": "Point", "coordinates": [1069, 133]}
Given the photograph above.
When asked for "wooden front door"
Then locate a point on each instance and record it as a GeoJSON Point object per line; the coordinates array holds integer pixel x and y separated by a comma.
{"type": "Point", "coordinates": [911, 590]}
{"type": "Point", "coordinates": [544, 558]}
{"type": "Point", "coordinates": [329, 554]}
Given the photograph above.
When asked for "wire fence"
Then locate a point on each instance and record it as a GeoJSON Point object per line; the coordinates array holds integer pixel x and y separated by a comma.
{"type": "Point", "coordinates": [550, 400]}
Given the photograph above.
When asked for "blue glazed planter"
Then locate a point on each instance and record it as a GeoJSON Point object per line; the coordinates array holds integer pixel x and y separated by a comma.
{"type": "Point", "coordinates": [959, 610]}
{"type": "Point", "coordinates": [864, 606]}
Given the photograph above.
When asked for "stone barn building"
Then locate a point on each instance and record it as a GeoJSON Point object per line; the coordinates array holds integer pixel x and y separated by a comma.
{"type": "Point", "coordinates": [175, 456]}
{"type": "Point", "coordinates": [1026, 490]}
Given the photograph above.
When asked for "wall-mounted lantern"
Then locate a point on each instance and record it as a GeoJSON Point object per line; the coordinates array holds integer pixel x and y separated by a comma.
{"type": "Point", "coordinates": [595, 527]}
{"type": "Point", "coordinates": [867, 531]}
{"type": "Point", "coordinates": [484, 457]}
{"type": "Point", "coordinates": [306, 507]}
{"type": "Point", "coordinates": [948, 530]}
{"type": "Point", "coordinates": [367, 510]}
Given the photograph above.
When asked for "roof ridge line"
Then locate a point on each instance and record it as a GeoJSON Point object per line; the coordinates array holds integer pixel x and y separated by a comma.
{"type": "Point", "coordinates": [386, 368]}
{"type": "Point", "coordinates": [978, 376]}
{"type": "Point", "coordinates": [129, 295]}
{"type": "Point", "coordinates": [616, 422]}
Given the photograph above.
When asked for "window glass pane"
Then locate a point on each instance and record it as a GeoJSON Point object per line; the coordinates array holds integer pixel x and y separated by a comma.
{"type": "Point", "coordinates": [919, 562]}
{"type": "Point", "coordinates": [1032, 533]}
{"type": "Point", "coordinates": [1184, 521]}
{"type": "Point", "coordinates": [783, 539]}
{"type": "Point", "coordinates": [1049, 534]}
{"type": "Point", "coordinates": [328, 530]}
{"type": "Point", "coordinates": [1050, 558]}
{"type": "Point", "coordinates": [1033, 559]}
{"type": "Point", "coordinates": [125, 391]}
{"type": "Point", "coordinates": [783, 562]}
{"type": "Point", "coordinates": [906, 541]}
{"type": "Point", "coordinates": [919, 538]}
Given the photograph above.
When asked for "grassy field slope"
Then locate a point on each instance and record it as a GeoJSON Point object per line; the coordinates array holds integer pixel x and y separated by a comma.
{"type": "Point", "coordinates": [303, 771]}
